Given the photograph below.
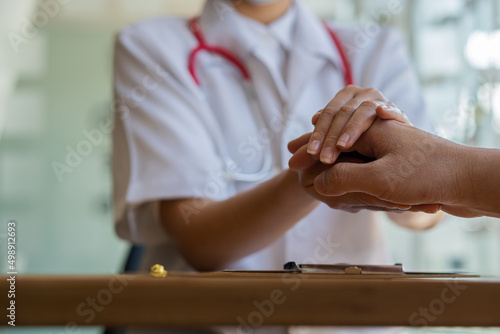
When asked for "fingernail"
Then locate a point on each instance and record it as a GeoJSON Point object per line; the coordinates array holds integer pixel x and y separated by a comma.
{"type": "Point", "coordinates": [343, 140]}
{"type": "Point", "coordinates": [327, 155]}
{"type": "Point", "coordinates": [313, 147]}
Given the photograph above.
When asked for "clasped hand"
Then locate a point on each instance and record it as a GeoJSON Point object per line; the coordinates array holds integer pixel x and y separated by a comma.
{"type": "Point", "coordinates": [338, 127]}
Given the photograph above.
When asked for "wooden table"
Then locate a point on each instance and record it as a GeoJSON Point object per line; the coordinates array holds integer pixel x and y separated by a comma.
{"type": "Point", "coordinates": [251, 300]}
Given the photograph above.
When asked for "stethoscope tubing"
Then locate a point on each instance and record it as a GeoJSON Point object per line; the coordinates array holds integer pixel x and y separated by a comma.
{"type": "Point", "coordinates": [195, 27]}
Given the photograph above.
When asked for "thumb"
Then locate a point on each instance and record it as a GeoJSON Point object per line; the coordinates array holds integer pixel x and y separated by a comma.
{"type": "Point", "coordinates": [343, 178]}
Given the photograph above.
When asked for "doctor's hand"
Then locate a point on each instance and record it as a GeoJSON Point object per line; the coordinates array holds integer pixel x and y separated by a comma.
{"type": "Point", "coordinates": [350, 113]}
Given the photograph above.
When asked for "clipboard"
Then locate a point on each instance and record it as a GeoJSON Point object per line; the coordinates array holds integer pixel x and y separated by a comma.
{"type": "Point", "coordinates": [346, 271]}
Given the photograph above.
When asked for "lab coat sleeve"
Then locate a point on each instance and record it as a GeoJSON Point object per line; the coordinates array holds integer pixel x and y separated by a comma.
{"type": "Point", "coordinates": [383, 62]}
{"type": "Point", "coordinates": [163, 148]}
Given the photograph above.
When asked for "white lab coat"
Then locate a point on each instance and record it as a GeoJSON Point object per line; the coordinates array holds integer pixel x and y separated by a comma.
{"type": "Point", "coordinates": [171, 136]}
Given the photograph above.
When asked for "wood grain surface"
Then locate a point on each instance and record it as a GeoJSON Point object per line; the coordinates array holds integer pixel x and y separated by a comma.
{"type": "Point", "coordinates": [274, 299]}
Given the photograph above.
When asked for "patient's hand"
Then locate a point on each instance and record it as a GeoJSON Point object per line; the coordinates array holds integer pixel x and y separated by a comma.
{"type": "Point", "coordinates": [312, 167]}
{"type": "Point", "coordinates": [309, 167]}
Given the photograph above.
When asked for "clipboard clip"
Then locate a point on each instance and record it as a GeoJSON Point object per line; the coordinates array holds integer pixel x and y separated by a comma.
{"type": "Point", "coordinates": [344, 268]}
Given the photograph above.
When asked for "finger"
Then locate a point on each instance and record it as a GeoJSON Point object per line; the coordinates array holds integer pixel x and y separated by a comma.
{"type": "Point", "coordinates": [351, 177]}
{"type": "Point", "coordinates": [372, 204]}
{"type": "Point", "coordinates": [316, 117]}
{"type": "Point", "coordinates": [462, 212]}
{"type": "Point", "coordinates": [392, 112]}
{"type": "Point", "coordinates": [360, 121]}
{"type": "Point", "coordinates": [379, 208]}
{"type": "Point", "coordinates": [302, 160]}
{"type": "Point", "coordinates": [359, 201]}
{"type": "Point", "coordinates": [297, 143]}
{"type": "Point", "coordinates": [369, 200]}
{"type": "Point", "coordinates": [330, 152]}
{"type": "Point", "coordinates": [427, 208]}
{"type": "Point", "coordinates": [325, 119]}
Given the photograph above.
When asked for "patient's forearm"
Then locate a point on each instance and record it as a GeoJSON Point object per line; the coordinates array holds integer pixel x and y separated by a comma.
{"type": "Point", "coordinates": [479, 184]}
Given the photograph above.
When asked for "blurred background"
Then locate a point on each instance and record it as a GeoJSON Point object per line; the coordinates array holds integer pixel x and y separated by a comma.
{"type": "Point", "coordinates": [55, 84]}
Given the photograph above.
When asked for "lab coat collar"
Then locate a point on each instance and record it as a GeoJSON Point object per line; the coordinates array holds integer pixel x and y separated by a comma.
{"type": "Point", "coordinates": [312, 36]}
{"type": "Point", "coordinates": [313, 48]}
{"type": "Point", "coordinates": [283, 29]}
{"type": "Point", "coordinates": [220, 25]}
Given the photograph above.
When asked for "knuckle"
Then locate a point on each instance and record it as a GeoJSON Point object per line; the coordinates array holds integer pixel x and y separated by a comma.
{"type": "Point", "coordinates": [351, 87]}
{"type": "Point", "coordinates": [331, 137]}
{"type": "Point", "coordinates": [346, 110]}
{"type": "Point", "coordinates": [329, 112]}
{"type": "Point", "coordinates": [369, 104]}
{"type": "Point", "coordinates": [373, 92]}
{"type": "Point", "coordinates": [318, 134]}
{"type": "Point", "coordinates": [348, 90]}
{"type": "Point", "coordinates": [331, 141]}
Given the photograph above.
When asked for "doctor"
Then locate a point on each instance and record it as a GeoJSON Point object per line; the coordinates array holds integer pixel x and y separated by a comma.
{"type": "Point", "coordinates": [204, 111]}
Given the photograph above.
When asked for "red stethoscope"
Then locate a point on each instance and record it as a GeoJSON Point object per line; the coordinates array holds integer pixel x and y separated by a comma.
{"type": "Point", "coordinates": [194, 25]}
{"type": "Point", "coordinates": [232, 170]}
